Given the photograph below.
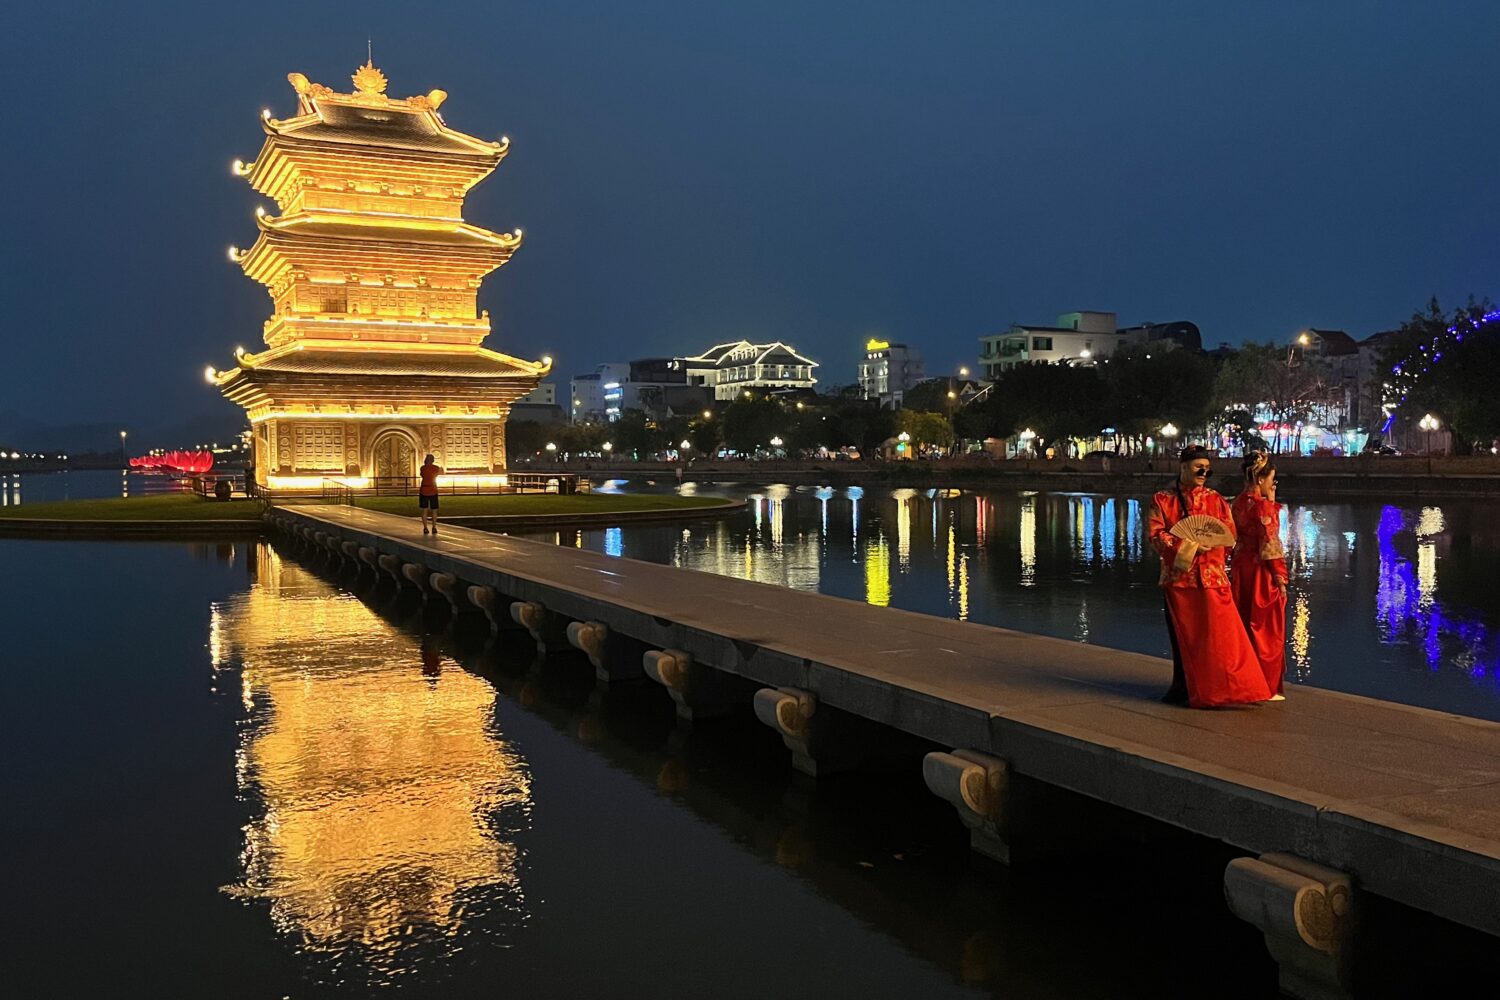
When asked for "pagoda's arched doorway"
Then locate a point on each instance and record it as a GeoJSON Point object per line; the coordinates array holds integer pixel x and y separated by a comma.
{"type": "Point", "coordinates": [393, 456]}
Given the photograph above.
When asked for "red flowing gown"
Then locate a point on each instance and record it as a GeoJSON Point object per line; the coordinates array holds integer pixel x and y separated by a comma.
{"type": "Point", "coordinates": [1218, 662]}
{"type": "Point", "coordinates": [1258, 571]}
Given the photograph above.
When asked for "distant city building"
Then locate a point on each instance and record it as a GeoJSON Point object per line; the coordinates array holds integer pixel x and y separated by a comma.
{"type": "Point", "coordinates": [887, 370]}
{"type": "Point", "coordinates": [657, 386]}
{"type": "Point", "coordinates": [734, 368]}
{"type": "Point", "coordinates": [1368, 411]}
{"type": "Point", "coordinates": [539, 406]}
{"type": "Point", "coordinates": [1340, 353]}
{"type": "Point", "coordinates": [1327, 343]}
{"type": "Point", "coordinates": [537, 413]}
{"type": "Point", "coordinates": [1180, 333]}
{"type": "Point", "coordinates": [1082, 337]}
{"type": "Point", "coordinates": [543, 395]}
{"type": "Point", "coordinates": [598, 395]}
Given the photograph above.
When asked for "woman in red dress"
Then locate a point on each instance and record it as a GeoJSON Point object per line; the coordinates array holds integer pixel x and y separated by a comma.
{"type": "Point", "coordinates": [1219, 667]}
{"type": "Point", "coordinates": [1259, 569]}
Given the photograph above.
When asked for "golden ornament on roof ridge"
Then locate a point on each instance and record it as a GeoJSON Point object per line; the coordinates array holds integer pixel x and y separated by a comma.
{"type": "Point", "coordinates": [369, 80]}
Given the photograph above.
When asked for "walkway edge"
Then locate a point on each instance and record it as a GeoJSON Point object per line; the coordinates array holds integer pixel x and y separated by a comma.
{"type": "Point", "coordinates": [40, 527]}
{"type": "Point", "coordinates": [56, 528]}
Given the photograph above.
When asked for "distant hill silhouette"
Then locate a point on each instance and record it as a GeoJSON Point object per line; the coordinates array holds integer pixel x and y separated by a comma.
{"type": "Point", "coordinates": [21, 432]}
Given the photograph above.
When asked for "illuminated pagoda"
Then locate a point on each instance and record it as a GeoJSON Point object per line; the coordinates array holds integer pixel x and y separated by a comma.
{"type": "Point", "coordinates": [374, 353]}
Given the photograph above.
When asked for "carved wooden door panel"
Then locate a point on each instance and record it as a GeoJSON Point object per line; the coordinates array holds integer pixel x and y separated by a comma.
{"type": "Point", "coordinates": [395, 458]}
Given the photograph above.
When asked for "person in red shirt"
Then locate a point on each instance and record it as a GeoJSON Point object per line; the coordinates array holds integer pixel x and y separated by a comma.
{"type": "Point", "coordinates": [1258, 569]}
{"type": "Point", "coordinates": [427, 494]}
{"type": "Point", "coordinates": [1213, 661]}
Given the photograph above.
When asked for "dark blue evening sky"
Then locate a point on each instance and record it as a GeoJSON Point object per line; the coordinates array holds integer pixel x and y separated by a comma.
{"type": "Point", "coordinates": [693, 172]}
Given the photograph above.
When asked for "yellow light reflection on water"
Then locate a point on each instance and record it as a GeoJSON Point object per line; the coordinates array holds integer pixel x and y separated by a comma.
{"type": "Point", "coordinates": [1028, 541]}
{"type": "Point", "coordinates": [952, 558]}
{"type": "Point", "coordinates": [878, 571]}
{"type": "Point", "coordinates": [963, 587]}
{"type": "Point", "coordinates": [776, 513]}
{"type": "Point", "coordinates": [1301, 634]}
{"type": "Point", "coordinates": [1429, 526]}
{"type": "Point", "coordinates": [378, 774]}
{"type": "Point", "coordinates": [904, 499]}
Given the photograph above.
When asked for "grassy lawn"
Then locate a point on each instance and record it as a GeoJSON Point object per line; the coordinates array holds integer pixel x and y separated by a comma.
{"type": "Point", "coordinates": [540, 503]}
{"type": "Point", "coordinates": [159, 507]}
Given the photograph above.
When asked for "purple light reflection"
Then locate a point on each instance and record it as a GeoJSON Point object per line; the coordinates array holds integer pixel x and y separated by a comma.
{"type": "Point", "coordinates": [1404, 614]}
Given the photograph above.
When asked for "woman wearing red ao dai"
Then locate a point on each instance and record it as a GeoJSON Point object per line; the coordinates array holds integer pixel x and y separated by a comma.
{"type": "Point", "coordinates": [1258, 570]}
{"type": "Point", "coordinates": [1218, 665]}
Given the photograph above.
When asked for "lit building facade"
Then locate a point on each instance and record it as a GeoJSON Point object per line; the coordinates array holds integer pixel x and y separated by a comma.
{"type": "Point", "coordinates": [1079, 338]}
{"type": "Point", "coordinates": [658, 387]}
{"type": "Point", "coordinates": [598, 395]}
{"type": "Point", "coordinates": [735, 368]}
{"type": "Point", "coordinates": [887, 370]}
{"type": "Point", "coordinates": [374, 353]}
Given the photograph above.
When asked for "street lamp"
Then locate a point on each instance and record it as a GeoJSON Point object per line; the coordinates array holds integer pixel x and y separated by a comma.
{"type": "Point", "coordinates": [686, 444]}
{"type": "Point", "coordinates": [551, 449]}
{"type": "Point", "coordinates": [609, 448]}
{"type": "Point", "coordinates": [1429, 423]}
{"type": "Point", "coordinates": [1168, 431]}
{"type": "Point", "coordinates": [953, 397]}
{"type": "Point", "coordinates": [708, 414]}
{"type": "Point", "coordinates": [124, 462]}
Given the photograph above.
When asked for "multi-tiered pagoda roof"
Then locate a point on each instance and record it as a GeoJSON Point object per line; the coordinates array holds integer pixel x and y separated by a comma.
{"type": "Point", "coordinates": [371, 268]}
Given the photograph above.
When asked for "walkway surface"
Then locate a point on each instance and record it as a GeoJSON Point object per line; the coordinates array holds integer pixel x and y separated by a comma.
{"type": "Point", "coordinates": [1405, 799]}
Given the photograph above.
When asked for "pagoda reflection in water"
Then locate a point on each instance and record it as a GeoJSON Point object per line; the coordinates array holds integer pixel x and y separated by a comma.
{"type": "Point", "coordinates": [385, 797]}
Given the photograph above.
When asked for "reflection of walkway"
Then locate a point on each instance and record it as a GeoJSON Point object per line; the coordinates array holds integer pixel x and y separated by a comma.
{"type": "Point", "coordinates": [1402, 797]}
{"type": "Point", "coordinates": [378, 774]}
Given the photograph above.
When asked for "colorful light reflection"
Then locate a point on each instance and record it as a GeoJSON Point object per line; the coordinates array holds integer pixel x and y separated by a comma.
{"type": "Point", "coordinates": [1407, 607]}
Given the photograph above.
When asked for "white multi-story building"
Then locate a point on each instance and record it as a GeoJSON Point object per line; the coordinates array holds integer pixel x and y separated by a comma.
{"type": "Point", "coordinates": [887, 370]}
{"type": "Point", "coordinates": [599, 394]}
{"type": "Point", "coordinates": [543, 395]}
{"type": "Point", "coordinates": [657, 386]}
{"type": "Point", "coordinates": [734, 368]}
{"type": "Point", "coordinates": [1078, 336]}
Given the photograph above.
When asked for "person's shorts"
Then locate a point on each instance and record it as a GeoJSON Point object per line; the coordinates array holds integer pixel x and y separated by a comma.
{"type": "Point", "coordinates": [424, 501]}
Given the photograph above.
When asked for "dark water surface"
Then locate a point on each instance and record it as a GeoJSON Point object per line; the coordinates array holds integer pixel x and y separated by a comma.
{"type": "Point", "coordinates": [233, 774]}
{"type": "Point", "coordinates": [1396, 601]}
{"type": "Point", "coordinates": [40, 487]}
{"type": "Point", "coordinates": [227, 776]}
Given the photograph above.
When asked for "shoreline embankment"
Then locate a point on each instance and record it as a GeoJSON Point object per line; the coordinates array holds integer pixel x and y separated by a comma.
{"type": "Point", "coordinates": [1313, 478]}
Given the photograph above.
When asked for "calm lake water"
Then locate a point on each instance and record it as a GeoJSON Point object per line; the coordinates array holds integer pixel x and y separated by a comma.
{"type": "Point", "coordinates": [234, 774]}
{"type": "Point", "coordinates": [1396, 601]}
{"type": "Point", "coordinates": [231, 776]}
{"type": "Point", "coordinates": [38, 487]}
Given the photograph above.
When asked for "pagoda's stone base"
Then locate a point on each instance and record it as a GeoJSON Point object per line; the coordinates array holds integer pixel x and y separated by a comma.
{"type": "Point", "coordinates": [295, 453]}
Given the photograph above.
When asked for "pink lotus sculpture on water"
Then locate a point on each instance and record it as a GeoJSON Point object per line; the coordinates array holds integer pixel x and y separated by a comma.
{"type": "Point", "coordinates": [191, 462]}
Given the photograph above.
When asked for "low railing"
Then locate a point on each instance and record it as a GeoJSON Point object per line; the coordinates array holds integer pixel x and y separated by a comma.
{"type": "Point", "coordinates": [207, 485]}
{"type": "Point", "coordinates": [510, 482]}
{"type": "Point", "coordinates": [337, 492]}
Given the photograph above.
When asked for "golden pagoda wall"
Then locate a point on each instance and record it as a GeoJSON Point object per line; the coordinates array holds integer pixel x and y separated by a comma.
{"type": "Point", "coordinates": [301, 453]}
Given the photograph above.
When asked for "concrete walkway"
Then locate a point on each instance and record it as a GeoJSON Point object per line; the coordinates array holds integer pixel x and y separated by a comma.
{"type": "Point", "coordinates": [1404, 800]}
